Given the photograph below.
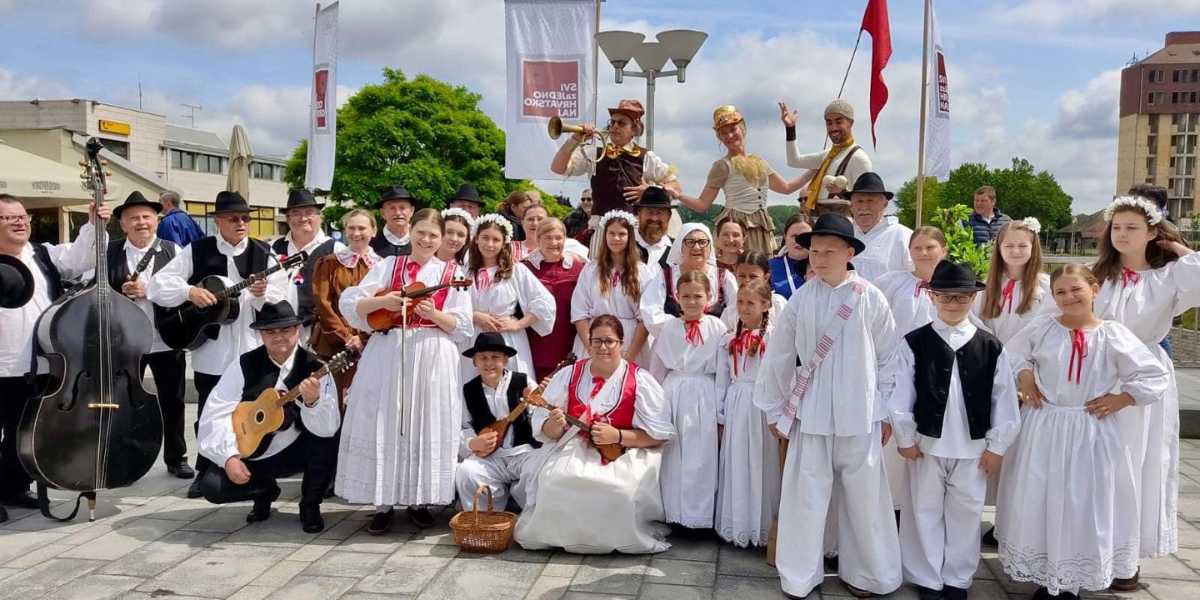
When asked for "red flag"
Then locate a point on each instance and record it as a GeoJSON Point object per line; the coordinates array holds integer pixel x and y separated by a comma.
{"type": "Point", "coordinates": [875, 22]}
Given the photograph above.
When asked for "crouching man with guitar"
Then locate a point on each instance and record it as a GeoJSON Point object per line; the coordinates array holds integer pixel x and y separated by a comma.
{"type": "Point", "coordinates": [306, 443]}
{"type": "Point", "coordinates": [236, 258]}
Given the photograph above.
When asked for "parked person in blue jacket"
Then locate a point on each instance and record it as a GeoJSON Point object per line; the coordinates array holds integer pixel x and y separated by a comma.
{"type": "Point", "coordinates": [986, 220]}
{"type": "Point", "coordinates": [785, 276]}
{"type": "Point", "coordinates": [176, 225]}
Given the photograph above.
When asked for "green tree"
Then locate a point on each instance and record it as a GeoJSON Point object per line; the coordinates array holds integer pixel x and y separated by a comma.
{"type": "Point", "coordinates": [960, 240]}
{"type": "Point", "coordinates": [425, 134]}
{"type": "Point", "coordinates": [1021, 191]}
{"type": "Point", "coordinates": [708, 217]}
{"type": "Point", "coordinates": [906, 201]}
{"type": "Point", "coordinates": [780, 213]}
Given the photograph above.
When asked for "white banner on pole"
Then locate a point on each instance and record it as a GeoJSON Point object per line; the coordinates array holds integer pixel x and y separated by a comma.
{"type": "Point", "coordinates": [937, 124]}
{"type": "Point", "coordinates": [550, 60]}
{"type": "Point", "coordinates": [322, 124]}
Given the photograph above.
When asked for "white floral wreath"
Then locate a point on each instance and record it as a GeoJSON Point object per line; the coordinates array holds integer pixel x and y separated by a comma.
{"type": "Point", "coordinates": [617, 214]}
{"type": "Point", "coordinates": [458, 212]}
{"type": "Point", "coordinates": [1152, 213]}
{"type": "Point", "coordinates": [498, 220]}
{"type": "Point", "coordinates": [1032, 224]}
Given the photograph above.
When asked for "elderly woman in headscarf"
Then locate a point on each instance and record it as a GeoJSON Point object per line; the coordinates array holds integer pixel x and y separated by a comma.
{"type": "Point", "coordinates": [691, 251]}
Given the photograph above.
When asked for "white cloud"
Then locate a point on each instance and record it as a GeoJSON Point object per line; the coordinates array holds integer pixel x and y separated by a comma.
{"type": "Point", "coordinates": [17, 87]}
{"type": "Point", "coordinates": [1050, 14]}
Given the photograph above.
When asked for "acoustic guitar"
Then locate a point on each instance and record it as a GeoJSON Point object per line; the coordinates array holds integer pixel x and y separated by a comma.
{"type": "Point", "coordinates": [500, 426]}
{"type": "Point", "coordinates": [384, 319]}
{"type": "Point", "coordinates": [610, 452]}
{"type": "Point", "coordinates": [255, 421]}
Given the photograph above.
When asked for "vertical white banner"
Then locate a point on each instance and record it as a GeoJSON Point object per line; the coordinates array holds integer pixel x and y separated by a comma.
{"type": "Point", "coordinates": [322, 120]}
{"type": "Point", "coordinates": [937, 124]}
{"type": "Point", "coordinates": [550, 60]}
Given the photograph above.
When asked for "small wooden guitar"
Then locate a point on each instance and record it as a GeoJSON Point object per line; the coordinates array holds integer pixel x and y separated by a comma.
{"type": "Point", "coordinates": [500, 426]}
{"type": "Point", "coordinates": [384, 319]}
{"type": "Point", "coordinates": [610, 452]}
{"type": "Point", "coordinates": [255, 421]}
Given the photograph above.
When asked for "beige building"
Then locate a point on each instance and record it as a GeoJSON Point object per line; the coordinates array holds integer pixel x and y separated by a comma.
{"type": "Point", "coordinates": [145, 153]}
{"type": "Point", "coordinates": [1159, 112]}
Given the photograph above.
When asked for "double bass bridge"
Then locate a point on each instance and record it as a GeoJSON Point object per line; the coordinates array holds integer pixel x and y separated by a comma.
{"type": "Point", "coordinates": [103, 405]}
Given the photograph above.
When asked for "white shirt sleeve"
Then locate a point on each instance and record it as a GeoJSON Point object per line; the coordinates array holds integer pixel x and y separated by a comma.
{"type": "Point", "coordinates": [903, 398]}
{"type": "Point", "coordinates": [556, 395]}
{"type": "Point", "coordinates": [1006, 412]}
{"type": "Point", "coordinates": [803, 161]}
{"type": "Point", "coordinates": [215, 438]}
{"type": "Point", "coordinates": [651, 413]}
{"type": "Point", "coordinates": [458, 305]}
{"type": "Point", "coordinates": [654, 294]}
{"type": "Point", "coordinates": [169, 287]}
{"type": "Point", "coordinates": [583, 298]}
{"type": "Point", "coordinates": [724, 377]}
{"type": "Point", "coordinates": [376, 279]}
{"type": "Point", "coordinates": [323, 419]}
{"type": "Point", "coordinates": [887, 340]}
{"type": "Point", "coordinates": [1140, 373]}
{"type": "Point", "coordinates": [656, 170]}
{"type": "Point", "coordinates": [534, 299]}
{"type": "Point", "coordinates": [79, 257]}
{"type": "Point", "coordinates": [278, 290]}
{"type": "Point", "coordinates": [466, 432]}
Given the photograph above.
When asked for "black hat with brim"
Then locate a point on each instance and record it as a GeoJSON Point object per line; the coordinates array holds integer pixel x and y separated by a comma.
{"type": "Point", "coordinates": [467, 192]}
{"type": "Point", "coordinates": [490, 342]}
{"type": "Point", "coordinates": [299, 198]}
{"type": "Point", "coordinates": [835, 225]}
{"type": "Point", "coordinates": [654, 197]}
{"type": "Point", "coordinates": [230, 202]}
{"type": "Point", "coordinates": [275, 316]}
{"type": "Point", "coordinates": [867, 183]}
{"type": "Point", "coordinates": [136, 199]}
{"type": "Point", "coordinates": [954, 279]}
{"type": "Point", "coordinates": [16, 282]}
{"type": "Point", "coordinates": [396, 192]}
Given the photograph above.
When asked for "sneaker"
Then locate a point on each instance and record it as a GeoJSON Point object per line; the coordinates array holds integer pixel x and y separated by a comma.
{"type": "Point", "coordinates": [381, 522]}
{"type": "Point", "coordinates": [420, 517]}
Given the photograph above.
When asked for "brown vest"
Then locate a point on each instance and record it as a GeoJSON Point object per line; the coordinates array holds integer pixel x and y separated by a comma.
{"type": "Point", "coordinates": [612, 176]}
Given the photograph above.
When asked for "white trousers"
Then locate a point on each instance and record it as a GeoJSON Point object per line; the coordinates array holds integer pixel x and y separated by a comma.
{"type": "Point", "coordinates": [939, 520]}
{"type": "Point", "coordinates": [868, 546]}
{"type": "Point", "coordinates": [504, 474]}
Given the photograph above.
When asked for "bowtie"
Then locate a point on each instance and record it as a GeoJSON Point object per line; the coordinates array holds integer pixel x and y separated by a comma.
{"type": "Point", "coordinates": [597, 383]}
{"type": "Point", "coordinates": [920, 286]}
{"type": "Point", "coordinates": [612, 151]}
{"type": "Point", "coordinates": [693, 334]}
{"type": "Point", "coordinates": [1129, 276]}
{"type": "Point", "coordinates": [483, 281]}
{"type": "Point", "coordinates": [1007, 296]}
{"type": "Point", "coordinates": [411, 270]}
{"type": "Point", "coordinates": [743, 344]}
{"type": "Point", "coordinates": [616, 279]}
{"type": "Point", "coordinates": [1079, 350]}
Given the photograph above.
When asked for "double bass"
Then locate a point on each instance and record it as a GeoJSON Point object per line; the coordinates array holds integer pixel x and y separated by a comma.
{"type": "Point", "coordinates": [95, 427]}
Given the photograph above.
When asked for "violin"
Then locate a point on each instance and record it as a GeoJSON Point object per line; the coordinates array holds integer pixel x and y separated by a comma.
{"type": "Point", "coordinates": [384, 319]}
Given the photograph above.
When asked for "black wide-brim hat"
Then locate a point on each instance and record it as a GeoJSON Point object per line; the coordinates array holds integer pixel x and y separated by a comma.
{"type": "Point", "coordinates": [396, 192]}
{"type": "Point", "coordinates": [867, 183]}
{"type": "Point", "coordinates": [467, 192]}
{"type": "Point", "coordinates": [654, 197]}
{"type": "Point", "coordinates": [275, 316]}
{"type": "Point", "coordinates": [136, 199]}
{"type": "Point", "coordinates": [16, 282]}
{"type": "Point", "coordinates": [490, 342]}
{"type": "Point", "coordinates": [300, 198]}
{"type": "Point", "coordinates": [834, 225]}
{"type": "Point", "coordinates": [230, 202]}
{"type": "Point", "coordinates": [954, 279]}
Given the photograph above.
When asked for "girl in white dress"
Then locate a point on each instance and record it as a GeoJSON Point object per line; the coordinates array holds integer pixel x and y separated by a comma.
{"type": "Point", "coordinates": [1017, 287]}
{"type": "Point", "coordinates": [692, 250]}
{"type": "Point", "coordinates": [458, 232]}
{"type": "Point", "coordinates": [577, 500]}
{"type": "Point", "coordinates": [1147, 277]}
{"type": "Point", "coordinates": [612, 284]}
{"type": "Point", "coordinates": [399, 440]}
{"type": "Point", "coordinates": [750, 266]}
{"type": "Point", "coordinates": [502, 287]}
{"type": "Point", "coordinates": [749, 479]}
{"type": "Point", "coordinates": [685, 361]}
{"type": "Point", "coordinates": [1065, 517]}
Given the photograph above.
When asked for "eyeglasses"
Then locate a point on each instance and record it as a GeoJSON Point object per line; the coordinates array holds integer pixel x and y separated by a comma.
{"type": "Point", "coordinates": [241, 219]}
{"type": "Point", "coordinates": [303, 216]}
{"type": "Point", "coordinates": [956, 298]}
{"type": "Point", "coordinates": [696, 243]}
{"type": "Point", "coordinates": [607, 344]}
{"type": "Point", "coordinates": [619, 123]}
{"type": "Point", "coordinates": [16, 219]}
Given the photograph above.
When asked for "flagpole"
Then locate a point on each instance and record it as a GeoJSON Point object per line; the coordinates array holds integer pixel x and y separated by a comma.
{"type": "Point", "coordinates": [847, 75]}
{"type": "Point", "coordinates": [596, 65]}
{"type": "Point", "coordinates": [924, 110]}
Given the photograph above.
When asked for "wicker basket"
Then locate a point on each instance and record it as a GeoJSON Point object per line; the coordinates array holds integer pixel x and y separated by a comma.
{"type": "Point", "coordinates": [483, 531]}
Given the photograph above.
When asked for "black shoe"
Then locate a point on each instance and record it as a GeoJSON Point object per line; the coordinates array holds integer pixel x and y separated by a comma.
{"type": "Point", "coordinates": [420, 517]}
{"type": "Point", "coordinates": [1126, 585]}
{"type": "Point", "coordinates": [194, 490]}
{"type": "Point", "coordinates": [831, 563]}
{"type": "Point", "coordinates": [181, 470]}
{"type": "Point", "coordinates": [262, 505]}
{"type": "Point", "coordinates": [310, 519]}
{"type": "Point", "coordinates": [3, 515]}
{"type": "Point", "coordinates": [381, 522]}
{"type": "Point", "coordinates": [1043, 594]}
{"type": "Point", "coordinates": [954, 593]}
{"type": "Point", "coordinates": [25, 499]}
{"type": "Point", "coordinates": [989, 538]}
{"type": "Point", "coordinates": [925, 593]}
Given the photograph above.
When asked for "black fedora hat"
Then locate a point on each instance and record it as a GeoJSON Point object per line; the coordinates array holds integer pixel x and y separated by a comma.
{"type": "Point", "coordinates": [954, 279]}
{"type": "Point", "coordinates": [490, 342]}
{"type": "Point", "coordinates": [275, 316]}
{"type": "Point", "coordinates": [16, 282]}
{"type": "Point", "coordinates": [867, 182]}
{"type": "Point", "coordinates": [467, 192]}
{"type": "Point", "coordinates": [396, 192]}
{"type": "Point", "coordinates": [835, 225]}
{"type": "Point", "coordinates": [136, 199]}
{"type": "Point", "coordinates": [301, 197]}
{"type": "Point", "coordinates": [229, 202]}
{"type": "Point", "coordinates": [654, 197]}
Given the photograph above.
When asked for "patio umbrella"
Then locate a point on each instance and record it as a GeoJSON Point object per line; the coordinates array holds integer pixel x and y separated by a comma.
{"type": "Point", "coordinates": [41, 183]}
{"type": "Point", "coordinates": [239, 163]}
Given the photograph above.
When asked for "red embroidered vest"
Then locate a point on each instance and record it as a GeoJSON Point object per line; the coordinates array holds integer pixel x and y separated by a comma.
{"type": "Point", "coordinates": [399, 281]}
{"type": "Point", "coordinates": [619, 416]}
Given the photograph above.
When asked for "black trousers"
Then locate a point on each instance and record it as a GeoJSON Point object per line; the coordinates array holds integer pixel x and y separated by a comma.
{"type": "Point", "coordinates": [168, 369]}
{"type": "Point", "coordinates": [315, 457]}
{"type": "Point", "coordinates": [204, 386]}
{"type": "Point", "coordinates": [15, 394]}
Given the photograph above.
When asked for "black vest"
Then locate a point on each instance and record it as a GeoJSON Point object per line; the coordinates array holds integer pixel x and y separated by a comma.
{"type": "Point", "coordinates": [259, 373]}
{"type": "Point", "coordinates": [41, 257]}
{"type": "Point", "coordinates": [976, 371]}
{"type": "Point", "coordinates": [118, 269]}
{"type": "Point", "coordinates": [481, 413]}
{"type": "Point", "coordinates": [208, 260]}
{"type": "Point", "coordinates": [385, 248]}
{"type": "Point", "coordinates": [671, 305]}
{"type": "Point", "coordinates": [304, 291]}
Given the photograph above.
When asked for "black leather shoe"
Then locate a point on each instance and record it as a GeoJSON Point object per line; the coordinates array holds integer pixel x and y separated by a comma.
{"type": "Point", "coordinates": [1043, 594]}
{"type": "Point", "coordinates": [311, 520]}
{"type": "Point", "coordinates": [831, 563]}
{"type": "Point", "coordinates": [181, 470]}
{"type": "Point", "coordinates": [25, 499]}
{"type": "Point", "coordinates": [989, 538]}
{"type": "Point", "coordinates": [381, 522]}
{"type": "Point", "coordinates": [262, 505]}
{"type": "Point", "coordinates": [950, 592]}
{"type": "Point", "coordinates": [420, 517]}
{"type": "Point", "coordinates": [194, 490]}
{"type": "Point", "coordinates": [3, 515]}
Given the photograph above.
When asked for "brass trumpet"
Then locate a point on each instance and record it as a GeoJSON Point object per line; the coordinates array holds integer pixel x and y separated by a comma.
{"type": "Point", "coordinates": [556, 128]}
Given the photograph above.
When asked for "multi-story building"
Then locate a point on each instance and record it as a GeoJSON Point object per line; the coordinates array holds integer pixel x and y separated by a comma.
{"type": "Point", "coordinates": [145, 153]}
{"type": "Point", "coordinates": [1159, 112]}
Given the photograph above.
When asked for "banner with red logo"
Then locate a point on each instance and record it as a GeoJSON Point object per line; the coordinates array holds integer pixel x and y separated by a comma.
{"type": "Point", "coordinates": [550, 62]}
{"type": "Point", "coordinates": [322, 126]}
{"type": "Point", "coordinates": [937, 121]}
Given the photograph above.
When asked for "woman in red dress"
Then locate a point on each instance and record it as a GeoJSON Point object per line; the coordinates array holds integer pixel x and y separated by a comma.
{"type": "Point", "coordinates": [559, 272]}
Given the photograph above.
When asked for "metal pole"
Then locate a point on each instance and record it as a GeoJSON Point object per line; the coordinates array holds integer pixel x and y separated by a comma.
{"type": "Point", "coordinates": [596, 66]}
{"type": "Point", "coordinates": [650, 110]}
{"type": "Point", "coordinates": [924, 109]}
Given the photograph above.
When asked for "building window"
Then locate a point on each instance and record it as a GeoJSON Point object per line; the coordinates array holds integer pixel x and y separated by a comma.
{"type": "Point", "coordinates": [266, 171]}
{"type": "Point", "coordinates": [262, 224]}
{"type": "Point", "coordinates": [1152, 145]}
{"type": "Point", "coordinates": [206, 163]}
{"type": "Point", "coordinates": [183, 160]}
{"type": "Point", "coordinates": [1175, 75]}
{"type": "Point", "coordinates": [1150, 164]}
{"type": "Point", "coordinates": [117, 147]}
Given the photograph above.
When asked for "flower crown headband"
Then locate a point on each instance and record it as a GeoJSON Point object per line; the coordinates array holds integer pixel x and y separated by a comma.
{"type": "Point", "coordinates": [500, 221]}
{"type": "Point", "coordinates": [617, 214]}
{"type": "Point", "coordinates": [1032, 224]}
{"type": "Point", "coordinates": [1152, 213]}
{"type": "Point", "coordinates": [460, 213]}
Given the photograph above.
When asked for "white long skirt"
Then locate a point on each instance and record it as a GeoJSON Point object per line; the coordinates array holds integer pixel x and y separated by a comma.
{"type": "Point", "coordinates": [1067, 495]}
{"type": "Point", "coordinates": [749, 480]}
{"type": "Point", "coordinates": [690, 460]}
{"type": "Point", "coordinates": [583, 506]}
{"type": "Point", "coordinates": [376, 465]}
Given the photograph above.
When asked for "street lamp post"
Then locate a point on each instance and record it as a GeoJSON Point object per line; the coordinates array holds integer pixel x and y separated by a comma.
{"type": "Point", "coordinates": [679, 46]}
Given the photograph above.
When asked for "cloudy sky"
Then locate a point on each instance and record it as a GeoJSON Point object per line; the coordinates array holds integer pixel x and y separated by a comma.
{"type": "Point", "coordinates": [1031, 78]}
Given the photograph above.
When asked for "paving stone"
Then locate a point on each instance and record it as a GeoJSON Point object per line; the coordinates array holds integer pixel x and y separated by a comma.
{"type": "Point", "coordinates": [313, 550]}
{"type": "Point", "coordinates": [595, 596]}
{"type": "Point", "coordinates": [657, 591]}
{"type": "Point", "coordinates": [226, 519]}
{"type": "Point", "coordinates": [562, 564]}
{"type": "Point", "coordinates": [279, 574]}
{"type": "Point", "coordinates": [1189, 504]}
{"type": "Point", "coordinates": [1167, 567]}
{"type": "Point", "coordinates": [681, 572]}
{"type": "Point", "coordinates": [748, 588]}
{"type": "Point", "coordinates": [39, 556]}
{"type": "Point", "coordinates": [987, 590]}
{"type": "Point", "coordinates": [160, 555]}
{"type": "Point", "coordinates": [345, 564]}
{"type": "Point", "coordinates": [6, 572]}
{"type": "Point", "coordinates": [217, 571]}
{"type": "Point", "coordinates": [482, 580]}
{"type": "Point", "coordinates": [744, 562]}
{"type": "Point", "coordinates": [514, 553]}
{"type": "Point", "coordinates": [253, 592]}
{"type": "Point", "coordinates": [406, 571]}
{"type": "Point", "coordinates": [548, 587]}
{"type": "Point", "coordinates": [187, 509]}
{"type": "Point", "coordinates": [341, 530]}
{"type": "Point", "coordinates": [306, 587]}
{"type": "Point", "coordinates": [147, 596]}
{"type": "Point", "coordinates": [611, 574]}
{"type": "Point", "coordinates": [1169, 589]}
{"type": "Point", "coordinates": [1189, 535]}
{"type": "Point", "coordinates": [282, 530]}
{"type": "Point", "coordinates": [118, 543]}
{"type": "Point", "coordinates": [41, 579]}
{"type": "Point", "coordinates": [20, 543]}
{"type": "Point", "coordinates": [97, 587]}
{"type": "Point", "coordinates": [361, 541]}
{"type": "Point", "coordinates": [365, 596]}
{"type": "Point", "coordinates": [701, 550]}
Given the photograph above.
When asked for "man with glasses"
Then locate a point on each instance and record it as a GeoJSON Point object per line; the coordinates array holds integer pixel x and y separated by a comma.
{"type": "Point", "coordinates": [303, 214]}
{"type": "Point", "coordinates": [232, 254]}
{"type": "Point", "coordinates": [17, 385]}
{"type": "Point", "coordinates": [579, 222]}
